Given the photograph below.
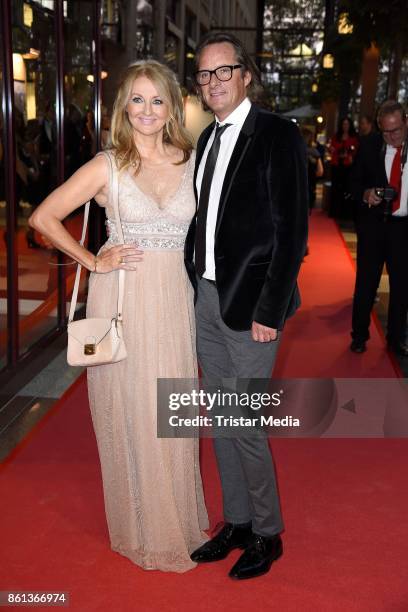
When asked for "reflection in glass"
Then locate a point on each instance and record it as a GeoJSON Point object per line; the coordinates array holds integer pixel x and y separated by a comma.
{"type": "Point", "coordinates": [171, 52]}
{"type": "Point", "coordinates": [34, 74]}
{"type": "Point", "coordinates": [79, 123]}
{"type": "Point", "coordinates": [144, 32]}
{"type": "Point", "coordinates": [3, 250]}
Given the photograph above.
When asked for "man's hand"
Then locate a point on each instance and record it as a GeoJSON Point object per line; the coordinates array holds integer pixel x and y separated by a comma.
{"type": "Point", "coordinates": [370, 197]}
{"type": "Point", "coordinates": [261, 333]}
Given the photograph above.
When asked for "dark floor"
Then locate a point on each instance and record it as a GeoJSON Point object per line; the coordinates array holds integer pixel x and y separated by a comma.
{"type": "Point", "coordinates": [29, 395]}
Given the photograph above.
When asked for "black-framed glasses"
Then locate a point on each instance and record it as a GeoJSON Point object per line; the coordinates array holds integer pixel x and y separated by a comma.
{"type": "Point", "coordinates": [223, 73]}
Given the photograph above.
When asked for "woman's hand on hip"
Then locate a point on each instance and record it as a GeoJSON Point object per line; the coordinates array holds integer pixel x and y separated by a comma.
{"type": "Point", "coordinates": [120, 257]}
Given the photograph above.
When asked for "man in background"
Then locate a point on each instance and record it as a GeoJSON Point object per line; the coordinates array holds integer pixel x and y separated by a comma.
{"type": "Point", "coordinates": [379, 184]}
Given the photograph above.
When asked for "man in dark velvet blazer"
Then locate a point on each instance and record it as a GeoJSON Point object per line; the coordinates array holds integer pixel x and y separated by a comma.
{"type": "Point", "coordinates": [243, 253]}
{"type": "Point", "coordinates": [382, 230]}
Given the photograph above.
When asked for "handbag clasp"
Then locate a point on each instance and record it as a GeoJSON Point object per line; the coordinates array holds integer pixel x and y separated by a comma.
{"type": "Point", "coordinates": [89, 349]}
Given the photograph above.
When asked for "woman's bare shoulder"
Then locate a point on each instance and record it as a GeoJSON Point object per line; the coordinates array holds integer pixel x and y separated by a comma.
{"type": "Point", "coordinates": [101, 166]}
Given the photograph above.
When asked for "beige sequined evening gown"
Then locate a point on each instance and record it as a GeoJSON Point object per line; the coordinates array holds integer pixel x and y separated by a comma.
{"type": "Point", "coordinates": [152, 487]}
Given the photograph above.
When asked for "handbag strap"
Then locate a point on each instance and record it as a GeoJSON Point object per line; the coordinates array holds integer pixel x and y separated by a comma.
{"type": "Point", "coordinates": [114, 185]}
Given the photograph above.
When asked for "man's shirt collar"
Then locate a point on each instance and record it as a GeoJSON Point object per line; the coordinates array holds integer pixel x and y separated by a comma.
{"type": "Point", "coordinates": [238, 115]}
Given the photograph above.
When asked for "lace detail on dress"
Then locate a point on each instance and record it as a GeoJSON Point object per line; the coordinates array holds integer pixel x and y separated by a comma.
{"type": "Point", "coordinates": [161, 234]}
{"type": "Point", "coordinates": [137, 207]}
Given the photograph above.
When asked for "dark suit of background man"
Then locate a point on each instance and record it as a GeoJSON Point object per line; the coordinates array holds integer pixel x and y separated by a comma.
{"type": "Point", "coordinates": [382, 229]}
{"type": "Point", "coordinates": [243, 254]}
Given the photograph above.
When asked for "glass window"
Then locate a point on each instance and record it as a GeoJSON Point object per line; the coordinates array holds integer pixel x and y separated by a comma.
{"type": "Point", "coordinates": [3, 249]}
{"type": "Point", "coordinates": [111, 21]}
{"type": "Point", "coordinates": [34, 74]}
{"type": "Point", "coordinates": [80, 143]}
{"type": "Point", "coordinates": [171, 52]}
{"type": "Point", "coordinates": [144, 33]}
{"type": "Point", "coordinates": [189, 68]}
{"type": "Point", "coordinates": [79, 124]}
{"type": "Point", "coordinates": [173, 11]}
{"type": "Point", "coordinates": [191, 25]}
{"type": "Point", "coordinates": [39, 150]}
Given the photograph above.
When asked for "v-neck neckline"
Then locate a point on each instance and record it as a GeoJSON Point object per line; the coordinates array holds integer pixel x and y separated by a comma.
{"type": "Point", "coordinates": [149, 197]}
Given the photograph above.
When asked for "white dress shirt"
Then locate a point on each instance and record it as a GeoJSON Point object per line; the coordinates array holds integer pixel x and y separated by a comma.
{"type": "Point", "coordinates": [227, 143]}
{"type": "Point", "coordinates": [389, 158]}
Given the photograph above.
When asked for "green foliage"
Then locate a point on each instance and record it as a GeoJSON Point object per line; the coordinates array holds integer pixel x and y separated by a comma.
{"type": "Point", "coordinates": [347, 51]}
{"type": "Point", "coordinates": [288, 25]}
{"type": "Point", "coordinates": [377, 21]}
{"type": "Point", "coordinates": [383, 22]}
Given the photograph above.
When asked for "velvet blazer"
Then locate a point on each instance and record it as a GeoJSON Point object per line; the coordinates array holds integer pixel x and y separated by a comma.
{"type": "Point", "coordinates": [261, 229]}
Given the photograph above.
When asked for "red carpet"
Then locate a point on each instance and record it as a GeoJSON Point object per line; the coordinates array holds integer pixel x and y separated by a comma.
{"type": "Point", "coordinates": [345, 502]}
{"type": "Point", "coordinates": [317, 339]}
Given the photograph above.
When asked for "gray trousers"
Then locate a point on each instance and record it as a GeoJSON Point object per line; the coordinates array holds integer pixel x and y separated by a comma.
{"type": "Point", "coordinates": [245, 463]}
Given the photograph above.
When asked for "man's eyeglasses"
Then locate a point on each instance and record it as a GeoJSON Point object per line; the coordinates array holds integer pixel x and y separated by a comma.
{"type": "Point", "coordinates": [223, 73]}
{"type": "Point", "coordinates": [394, 131]}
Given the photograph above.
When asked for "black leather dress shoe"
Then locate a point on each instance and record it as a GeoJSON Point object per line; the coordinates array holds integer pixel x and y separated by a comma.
{"type": "Point", "coordinates": [230, 537]}
{"type": "Point", "coordinates": [358, 346]}
{"type": "Point", "coordinates": [400, 348]}
{"type": "Point", "coordinates": [258, 557]}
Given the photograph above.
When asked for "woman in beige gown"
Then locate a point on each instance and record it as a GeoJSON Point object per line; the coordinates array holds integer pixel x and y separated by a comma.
{"type": "Point", "coordinates": [152, 486]}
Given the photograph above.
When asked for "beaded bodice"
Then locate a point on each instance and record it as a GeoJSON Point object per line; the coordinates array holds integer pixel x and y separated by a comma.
{"type": "Point", "coordinates": [144, 221]}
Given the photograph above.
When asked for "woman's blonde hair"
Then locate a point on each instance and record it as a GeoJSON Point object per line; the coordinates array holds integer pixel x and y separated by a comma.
{"type": "Point", "coordinates": [174, 132]}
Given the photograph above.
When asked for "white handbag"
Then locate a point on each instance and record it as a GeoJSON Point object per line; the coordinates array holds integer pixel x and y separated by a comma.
{"type": "Point", "coordinates": [98, 341]}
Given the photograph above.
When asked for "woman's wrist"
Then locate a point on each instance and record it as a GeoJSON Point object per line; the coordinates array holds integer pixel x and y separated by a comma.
{"type": "Point", "coordinates": [91, 264]}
